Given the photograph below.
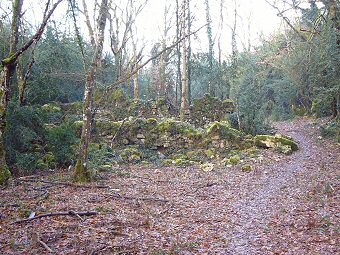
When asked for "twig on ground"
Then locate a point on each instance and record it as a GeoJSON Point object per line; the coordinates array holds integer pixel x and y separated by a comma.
{"type": "Point", "coordinates": [36, 237]}
{"type": "Point", "coordinates": [76, 214]}
{"type": "Point", "coordinates": [66, 184]}
{"type": "Point", "coordinates": [202, 186]}
{"type": "Point", "coordinates": [89, 213]}
{"type": "Point", "coordinates": [137, 198]}
{"type": "Point", "coordinates": [42, 195]}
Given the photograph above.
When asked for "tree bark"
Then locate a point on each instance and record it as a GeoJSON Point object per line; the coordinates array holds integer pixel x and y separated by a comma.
{"type": "Point", "coordinates": [333, 10]}
{"type": "Point", "coordinates": [212, 90]}
{"type": "Point", "coordinates": [88, 24]}
{"type": "Point", "coordinates": [82, 172]}
{"type": "Point", "coordinates": [189, 56]}
{"type": "Point", "coordinates": [178, 51]}
{"type": "Point", "coordinates": [184, 103]}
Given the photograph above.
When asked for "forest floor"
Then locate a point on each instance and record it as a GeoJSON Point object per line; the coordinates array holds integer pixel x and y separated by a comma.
{"type": "Point", "coordinates": [286, 205]}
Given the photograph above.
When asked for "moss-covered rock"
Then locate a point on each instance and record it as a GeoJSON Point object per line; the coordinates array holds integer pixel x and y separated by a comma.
{"type": "Point", "coordinates": [235, 159]}
{"type": "Point", "coordinates": [269, 141]}
{"type": "Point", "coordinates": [284, 149]}
{"type": "Point", "coordinates": [131, 155]}
{"type": "Point", "coordinates": [224, 130]}
{"type": "Point", "coordinates": [247, 168]}
{"type": "Point", "coordinates": [51, 107]}
{"type": "Point", "coordinates": [209, 109]}
{"type": "Point", "coordinates": [72, 108]}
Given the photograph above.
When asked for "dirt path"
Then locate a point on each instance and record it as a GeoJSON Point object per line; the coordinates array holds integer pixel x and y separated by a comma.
{"type": "Point", "coordinates": [287, 205]}
{"type": "Point", "coordinates": [281, 187]}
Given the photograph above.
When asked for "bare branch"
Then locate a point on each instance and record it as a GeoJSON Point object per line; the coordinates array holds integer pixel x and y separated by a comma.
{"type": "Point", "coordinates": [128, 76]}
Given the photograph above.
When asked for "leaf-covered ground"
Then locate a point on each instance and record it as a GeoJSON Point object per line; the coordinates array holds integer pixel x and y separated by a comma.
{"type": "Point", "coordinates": [286, 205]}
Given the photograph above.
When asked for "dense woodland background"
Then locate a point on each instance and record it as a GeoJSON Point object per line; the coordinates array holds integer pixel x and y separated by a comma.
{"type": "Point", "coordinates": [293, 71]}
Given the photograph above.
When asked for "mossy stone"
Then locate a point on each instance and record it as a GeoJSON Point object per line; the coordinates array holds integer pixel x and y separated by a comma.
{"type": "Point", "coordinates": [269, 141]}
{"type": "Point", "coordinates": [247, 168]}
{"type": "Point", "coordinates": [235, 159]}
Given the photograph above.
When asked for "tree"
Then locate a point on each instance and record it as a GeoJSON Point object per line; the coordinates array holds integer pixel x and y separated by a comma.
{"type": "Point", "coordinates": [212, 89]}
{"type": "Point", "coordinates": [82, 173]}
{"type": "Point", "coordinates": [184, 99]}
{"type": "Point", "coordinates": [8, 85]}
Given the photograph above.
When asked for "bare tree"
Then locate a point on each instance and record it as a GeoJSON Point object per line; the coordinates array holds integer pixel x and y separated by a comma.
{"type": "Point", "coordinates": [211, 49]}
{"type": "Point", "coordinates": [121, 21]}
{"type": "Point", "coordinates": [178, 89]}
{"type": "Point", "coordinates": [184, 100]}
{"type": "Point", "coordinates": [82, 173]}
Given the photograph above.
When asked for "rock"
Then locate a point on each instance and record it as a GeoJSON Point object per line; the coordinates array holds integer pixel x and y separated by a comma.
{"type": "Point", "coordinates": [207, 167]}
{"type": "Point", "coordinates": [247, 168]}
{"type": "Point", "coordinates": [269, 141]}
{"type": "Point", "coordinates": [235, 160]}
{"type": "Point", "coordinates": [140, 136]}
{"type": "Point", "coordinates": [285, 149]}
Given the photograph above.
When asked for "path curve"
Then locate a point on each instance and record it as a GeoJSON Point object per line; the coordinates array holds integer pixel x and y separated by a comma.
{"type": "Point", "coordinates": [252, 212]}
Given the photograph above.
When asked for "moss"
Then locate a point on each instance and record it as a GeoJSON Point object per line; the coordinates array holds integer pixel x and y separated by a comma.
{"type": "Point", "coordinates": [152, 121]}
{"type": "Point", "coordinates": [228, 105]}
{"type": "Point", "coordinates": [268, 141]}
{"type": "Point", "coordinates": [224, 130]}
{"type": "Point", "coordinates": [49, 157]}
{"type": "Point", "coordinates": [247, 168]}
{"type": "Point", "coordinates": [288, 142]}
{"type": "Point", "coordinates": [5, 175]}
{"type": "Point", "coordinates": [118, 95]}
{"type": "Point", "coordinates": [81, 173]}
{"type": "Point", "coordinates": [107, 126]}
{"type": "Point", "coordinates": [234, 159]}
{"type": "Point", "coordinates": [42, 165]}
{"type": "Point", "coordinates": [72, 108]}
{"type": "Point", "coordinates": [167, 162]}
{"type": "Point", "coordinates": [179, 156]}
{"type": "Point", "coordinates": [182, 162]}
{"type": "Point", "coordinates": [226, 161]}
{"type": "Point", "coordinates": [51, 107]}
{"type": "Point", "coordinates": [8, 60]}
{"type": "Point", "coordinates": [167, 125]}
{"type": "Point", "coordinates": [285, 149]}
{"type": "Point", "coordinates": [210, 153]}
{"type": "Point", "coordinates": [131, 155]}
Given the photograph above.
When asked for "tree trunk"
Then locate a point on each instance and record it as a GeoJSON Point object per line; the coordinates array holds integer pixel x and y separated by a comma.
{"type": "Point", "coordinates": [7, 86]}
{"type": "Point", "coordinates": [184, 69]}
{"type": "Point", "coordinates": [189, 56]}
{"type": "Point", "coordinates": [82, 172]}
{"type": "Point", "coordinates": [333, 8]}
{"type": "Point", "coordinates": [178, 50]}
{"type": "Point", "coordinates": [210, 56]}
{"type": "Point", "coordinates": [136, 86]}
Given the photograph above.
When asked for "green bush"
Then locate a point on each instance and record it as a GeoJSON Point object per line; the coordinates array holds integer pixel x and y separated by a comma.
{"type": "Point", "coordinates": [23, 134]}
{"type": "Point", "coordinates": [60, 142]}
{"type": "Point", "coordinates": [331, 129]}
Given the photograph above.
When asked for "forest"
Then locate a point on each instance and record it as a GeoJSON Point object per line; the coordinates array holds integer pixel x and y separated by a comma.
{"type": "Point", "coordinates": [205, 135]}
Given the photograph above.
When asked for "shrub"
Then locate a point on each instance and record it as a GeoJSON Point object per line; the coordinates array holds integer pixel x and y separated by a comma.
{"type": "Point", "coordinates": [60, 142]}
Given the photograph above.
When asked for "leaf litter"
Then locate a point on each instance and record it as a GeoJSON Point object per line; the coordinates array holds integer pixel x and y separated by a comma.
{"type": "Point", "coordinates": [286, 205]}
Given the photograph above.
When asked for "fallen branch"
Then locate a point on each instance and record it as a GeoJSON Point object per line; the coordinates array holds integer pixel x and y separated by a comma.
{"type": "Point", "coordinates": [72, 213]}
{"type": "Point", "coordinates": [66, 184]}
{"type": "Point", "coordinates": [43, 244]}
{"type": "Point", "coordinates": [114, 137]}
{"type": "Point", "coordinates": [138, 198]}
{"type": "Point", "coordinates": [201, 187]}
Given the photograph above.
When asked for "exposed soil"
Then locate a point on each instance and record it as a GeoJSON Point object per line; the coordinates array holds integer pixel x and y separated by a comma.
{"type": "Point", "coordinates": [286, 205]}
